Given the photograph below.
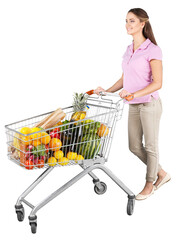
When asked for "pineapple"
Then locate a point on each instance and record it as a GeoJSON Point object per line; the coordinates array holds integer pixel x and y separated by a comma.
{"type": "Point", "coordinates": [79, 106]}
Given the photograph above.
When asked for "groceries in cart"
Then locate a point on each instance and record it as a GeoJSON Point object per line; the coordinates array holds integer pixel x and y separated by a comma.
{"type": "Point", "coordinates": [60, 138]}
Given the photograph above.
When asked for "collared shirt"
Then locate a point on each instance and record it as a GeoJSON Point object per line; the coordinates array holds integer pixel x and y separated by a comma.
{"type": "Point", "coordinates": [137, 70]}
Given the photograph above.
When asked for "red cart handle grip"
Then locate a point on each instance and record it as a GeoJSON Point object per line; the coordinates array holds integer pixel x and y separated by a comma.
{"type": "Point", "coordinates": [90, 92]}
{"type": "Point", "coordinates": [129, 97]}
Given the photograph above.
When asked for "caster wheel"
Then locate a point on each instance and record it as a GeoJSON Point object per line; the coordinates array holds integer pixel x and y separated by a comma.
{"type": "Point", "coordinates": [101, 190]}
{"type": "Point", "coordinates": [33, 227]}
{"type": "Point", "coordinates": [33, 223]}
{"type": "Point", "coordinates": [130, 206]}
{"type": "Point", "coordinates": [20, 216]}
{"type": "Point", "coordinates": [20, 212]}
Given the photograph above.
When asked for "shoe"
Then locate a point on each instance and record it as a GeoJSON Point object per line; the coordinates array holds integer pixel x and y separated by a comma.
{"type": "Point", "coordinates": [164, 180]}
{"type": "Point", "coordinates": [143, 197]}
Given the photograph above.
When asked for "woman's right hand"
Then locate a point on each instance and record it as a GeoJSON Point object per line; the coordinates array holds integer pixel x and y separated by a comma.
{"type": "Point", "coordinates": [98, 90]}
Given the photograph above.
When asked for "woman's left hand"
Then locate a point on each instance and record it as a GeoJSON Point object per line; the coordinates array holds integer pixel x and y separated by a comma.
{"type": "Point", "coordinates": [124, 93]}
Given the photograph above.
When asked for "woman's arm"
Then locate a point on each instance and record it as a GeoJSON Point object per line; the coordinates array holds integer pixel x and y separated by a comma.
{"type": "Point", "coordinates": [156, 67]}
{"type": "Point", "coordinates": [117, 86]}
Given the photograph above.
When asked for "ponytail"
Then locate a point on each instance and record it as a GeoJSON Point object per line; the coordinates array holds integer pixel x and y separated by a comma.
{"type": "Point", "coordinates": [143, 17]}
{"type": "Point", "coordinates": [148, 32]}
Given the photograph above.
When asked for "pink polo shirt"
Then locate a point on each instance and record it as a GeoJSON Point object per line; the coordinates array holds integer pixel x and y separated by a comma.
{"type": "Point", "coordinates": [137, 69]}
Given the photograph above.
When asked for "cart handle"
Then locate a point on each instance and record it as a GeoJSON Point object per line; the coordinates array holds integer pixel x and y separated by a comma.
{"type": "Point", "coordinates": [128, 98]}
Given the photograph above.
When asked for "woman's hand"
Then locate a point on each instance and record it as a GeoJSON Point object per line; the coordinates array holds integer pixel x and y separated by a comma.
{"type": "Point", "coordinates": [98, 90]}
{"type": "Point", "coordinates": [124, 93]}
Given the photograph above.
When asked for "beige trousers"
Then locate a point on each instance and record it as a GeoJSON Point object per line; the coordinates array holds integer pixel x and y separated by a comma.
{"type": "Point", "coordinates": [143, 121]}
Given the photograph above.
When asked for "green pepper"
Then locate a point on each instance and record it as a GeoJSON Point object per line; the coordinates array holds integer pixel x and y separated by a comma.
{"type": "Point", "coordinates": [62, 128]}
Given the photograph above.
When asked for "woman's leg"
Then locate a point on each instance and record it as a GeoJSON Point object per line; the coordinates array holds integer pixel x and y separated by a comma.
{"type": "Point", "coordinates": [135, 133]}
{"type": "Point", "coordinates": [140, 114]}
{"type": "Point", "coordinates": [150, 114]}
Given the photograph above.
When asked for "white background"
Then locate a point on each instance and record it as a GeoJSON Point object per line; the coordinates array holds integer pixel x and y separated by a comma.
{"type": "Point", "coordinates": [50, 49]}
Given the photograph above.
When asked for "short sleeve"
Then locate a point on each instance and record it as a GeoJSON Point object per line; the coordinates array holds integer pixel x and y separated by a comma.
{"type": "Point", "coordinates": [155, 53]}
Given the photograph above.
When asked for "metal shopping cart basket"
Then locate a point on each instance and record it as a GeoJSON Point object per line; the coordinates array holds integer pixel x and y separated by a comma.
{"type": "Point", "coordinates": [85, 142]}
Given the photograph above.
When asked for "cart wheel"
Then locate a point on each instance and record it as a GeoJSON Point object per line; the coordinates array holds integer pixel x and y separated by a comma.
{"type": "Point", "coordinates": [101, 190]}
{"type": "Point", "coordinates": [33, 227]}
{"type": "Point", "coordinates": [20, 216]}
{"type": "Point", "coordinates": [20, 212]}
{"type": "Point", "coordinates": [130, 206]}
{"type": "Point", "coordinates": [33, 223]}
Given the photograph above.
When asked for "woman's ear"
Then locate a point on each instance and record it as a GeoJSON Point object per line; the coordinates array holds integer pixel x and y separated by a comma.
{"type": "Point", "coordinates": [142, 24]}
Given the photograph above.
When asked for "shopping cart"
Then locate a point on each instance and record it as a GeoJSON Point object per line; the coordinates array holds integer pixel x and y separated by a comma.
{"type": "Point", "coordinates": [85, 142]}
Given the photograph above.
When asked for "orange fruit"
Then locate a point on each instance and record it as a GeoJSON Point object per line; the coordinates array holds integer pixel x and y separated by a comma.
{"type": "Point", "coordinates": [45, 138]}
{"type": "Point", "coordinates": [55, 144]}
{"type": "Point", "coordinates": [103, 131]}
{"type": "Point", "coordinates": [36, 142]}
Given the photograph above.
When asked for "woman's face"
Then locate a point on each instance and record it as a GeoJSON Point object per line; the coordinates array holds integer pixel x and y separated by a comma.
{"type": "Point", "coordinates": [133, 24]}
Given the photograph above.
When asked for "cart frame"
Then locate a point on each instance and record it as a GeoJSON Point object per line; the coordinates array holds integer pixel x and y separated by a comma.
{"type": "Point", "coordinates": [88, 166]}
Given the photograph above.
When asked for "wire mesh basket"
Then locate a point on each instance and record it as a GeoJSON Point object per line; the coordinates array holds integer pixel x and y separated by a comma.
{"type": "Point", "coordinates": [67, 142]}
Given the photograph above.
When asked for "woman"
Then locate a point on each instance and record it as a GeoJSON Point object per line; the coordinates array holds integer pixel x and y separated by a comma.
{"type": "Point", "coordinates": [141, 80]}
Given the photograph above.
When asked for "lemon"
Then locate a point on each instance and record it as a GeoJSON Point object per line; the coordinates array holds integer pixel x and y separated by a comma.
{"type": "Point", "coordinates": [35, 135]}
{"type": "Point", "coordinates": [63, 161]}
{"type": "Point", "coordinates": [25, 130]}
{"type": "Point", "coordinates": [58, 154]}
{"type": "Point", "coordinates": [71, 155]}
{"type": "Point", "coordinates": [26, 140]}
{"type": "Point", "coordinates": [52, 161]}
{"type": "Point", "coordinates": [79, 157]}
